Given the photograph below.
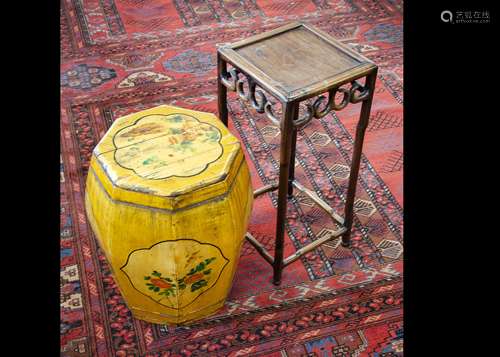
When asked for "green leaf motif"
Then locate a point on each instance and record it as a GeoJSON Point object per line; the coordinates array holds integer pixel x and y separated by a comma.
{"type": "Point", "coordinates": [176, 119]}
{"type": "Point", "coordinates": [175, 131]}
{"type": "Point", "coordinates": [198, 285]}
{"type": "Point", "coordinates": [212, 135]}
{"type": "Point", "coordinates": [200, 266]}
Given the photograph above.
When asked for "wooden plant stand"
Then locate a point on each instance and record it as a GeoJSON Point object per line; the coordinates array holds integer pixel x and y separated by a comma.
{"type": "Point", "coordinates": [294, 63]}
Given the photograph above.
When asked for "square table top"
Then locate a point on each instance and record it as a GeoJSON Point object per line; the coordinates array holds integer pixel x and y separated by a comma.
{"type": "Point", "coordinates": [296, 61]}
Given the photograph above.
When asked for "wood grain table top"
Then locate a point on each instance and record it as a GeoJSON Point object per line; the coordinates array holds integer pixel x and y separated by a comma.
{"type": "Point", "coordinates": [296, 61]}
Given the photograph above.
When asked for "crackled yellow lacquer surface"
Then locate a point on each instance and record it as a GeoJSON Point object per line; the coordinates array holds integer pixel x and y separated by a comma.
{"type": "Point", "coordinates": [168, 197]}
{"type": "Point", "coordinates": [141, 151]}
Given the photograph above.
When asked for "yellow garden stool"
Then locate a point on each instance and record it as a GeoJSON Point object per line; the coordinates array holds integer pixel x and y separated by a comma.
{"type": "Point", "coordinates": [169, 197]}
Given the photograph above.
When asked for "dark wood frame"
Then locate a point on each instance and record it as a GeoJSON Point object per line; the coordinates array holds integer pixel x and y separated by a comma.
{"type": "Point", "coordinates": [258, 82]}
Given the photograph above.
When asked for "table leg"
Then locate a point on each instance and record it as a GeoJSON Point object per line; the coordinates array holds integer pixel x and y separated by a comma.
{"type": "Point", "coordinates": [222, 90]}
{"type": "Point", "coordinates": [291, 174]}
{"type": "Point", "coordinates": [356, 158]}
{"type": "Point", "coordinates": [290, 111]}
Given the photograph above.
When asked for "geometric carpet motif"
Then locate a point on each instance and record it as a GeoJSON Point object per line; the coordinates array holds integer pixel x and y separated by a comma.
{"type": "Point", "coordinates": [122, 56]}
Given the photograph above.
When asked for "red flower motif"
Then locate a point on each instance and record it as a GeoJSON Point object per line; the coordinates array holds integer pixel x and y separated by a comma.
{"type": "Point", "coordinates": [161, 283]}
{"type": "Point", "coordinates": [193, 278]}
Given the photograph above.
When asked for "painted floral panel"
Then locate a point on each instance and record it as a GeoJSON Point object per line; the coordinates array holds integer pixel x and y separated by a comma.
{"type": "Point", "coordinates": [175, 273]}
{"type": "Point", "coordinates": [160, 146]}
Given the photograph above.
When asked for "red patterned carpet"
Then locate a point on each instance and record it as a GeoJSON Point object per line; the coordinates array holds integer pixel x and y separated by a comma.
{"type": "Point", "coordinates": [122, 56]}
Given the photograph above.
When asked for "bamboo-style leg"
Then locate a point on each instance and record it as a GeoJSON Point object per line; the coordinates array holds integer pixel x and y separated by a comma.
{"type": "Point", "coordinates": [356, 157]}
{"type": "Point", "coordinates": [291, 174]}
{"type": "Point", "coordinates": [290, 111]}
{"type": "Point", "coordinates": [222, 90]}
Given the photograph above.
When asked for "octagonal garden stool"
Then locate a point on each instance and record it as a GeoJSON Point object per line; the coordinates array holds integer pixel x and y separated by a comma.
{"type": "Point", "coordinates": [168, 197]}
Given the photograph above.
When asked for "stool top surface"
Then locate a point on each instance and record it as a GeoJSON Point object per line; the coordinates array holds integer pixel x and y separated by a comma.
{"type": "Point", "coordinates": [296, 60]}
{"type": "Point", "coordinates": [165, 151]}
